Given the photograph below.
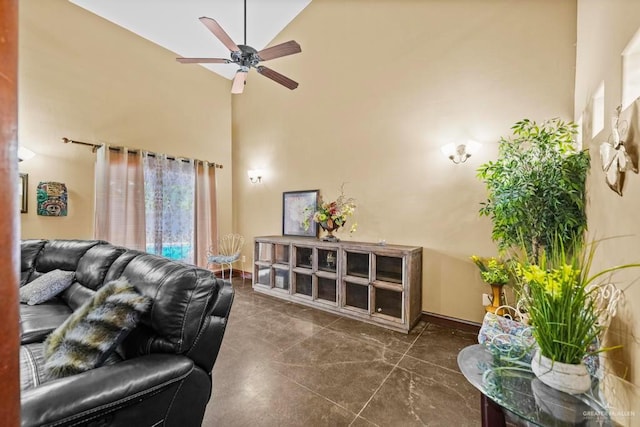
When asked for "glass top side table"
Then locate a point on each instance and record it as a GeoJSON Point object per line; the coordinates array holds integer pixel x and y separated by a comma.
{"type": "Point", "coordinates": [512, 387]}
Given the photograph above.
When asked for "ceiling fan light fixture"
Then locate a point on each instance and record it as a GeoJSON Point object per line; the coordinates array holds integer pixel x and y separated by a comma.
{"type": "Point", "coordinates": [239, 81]}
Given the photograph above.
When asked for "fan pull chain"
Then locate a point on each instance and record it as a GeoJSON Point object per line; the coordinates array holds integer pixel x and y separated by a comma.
{"type": "Point", "coordinates": [245, 22]}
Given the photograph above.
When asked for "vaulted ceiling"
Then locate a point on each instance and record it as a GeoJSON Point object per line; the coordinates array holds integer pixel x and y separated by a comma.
{"type": "Point", "coordinates": [174, 25]}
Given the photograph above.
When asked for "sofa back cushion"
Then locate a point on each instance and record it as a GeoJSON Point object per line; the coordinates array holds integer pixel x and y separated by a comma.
{"type": "Point", "coordinates": [91, 272]}
{"type": "Point", "coordinates": [29, 251]}
{"type": "Point", "coordinates": [182, 297]}
{"type": "Point", "coordinates": [61, 254]}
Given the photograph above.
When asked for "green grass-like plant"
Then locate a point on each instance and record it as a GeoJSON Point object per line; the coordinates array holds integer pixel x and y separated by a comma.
{"type": "Point", "coordinates": [559, 298]}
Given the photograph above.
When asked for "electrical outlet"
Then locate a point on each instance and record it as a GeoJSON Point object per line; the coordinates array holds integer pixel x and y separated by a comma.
{"type": "Point", "coordinates": [244, 258]}
{"type": "Point", "coordinates": [486, 299]}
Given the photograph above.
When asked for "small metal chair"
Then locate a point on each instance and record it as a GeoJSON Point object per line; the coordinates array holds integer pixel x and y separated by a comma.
{"type": "Point", "coordinates": [229, 248]}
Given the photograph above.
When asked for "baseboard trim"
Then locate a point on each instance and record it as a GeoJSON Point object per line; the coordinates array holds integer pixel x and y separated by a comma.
{"type": "Point", "coordinates": [451, 322]}
{"type": "Point", "coordinates": [243, 274]}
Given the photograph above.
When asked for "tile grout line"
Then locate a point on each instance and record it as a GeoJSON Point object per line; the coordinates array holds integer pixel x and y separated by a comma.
{"type": "Point", "coordinates": [368, 341]}
{"type": "Point", "coordinates": [326, 327]}
{"type": "Point", "coordinates": [387, 377]}
{"type": "Point", "coordinates": [322, 328]}
{"type": "Point", "coordinates": [310, 390]}
{"type": "Point", "coordinates": [453, 371]}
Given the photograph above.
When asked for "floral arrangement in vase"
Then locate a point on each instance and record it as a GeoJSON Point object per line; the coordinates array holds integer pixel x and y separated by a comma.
{"type": "Point", "coordinates": [494, 272]}
{"type": "Point", "coordinates": [561, 299]}
{"type": "Point", "coordinates": [331, 215]}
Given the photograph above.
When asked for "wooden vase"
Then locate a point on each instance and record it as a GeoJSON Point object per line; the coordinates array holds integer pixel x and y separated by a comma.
{"type": "Point", "coordinates": [497, 300]}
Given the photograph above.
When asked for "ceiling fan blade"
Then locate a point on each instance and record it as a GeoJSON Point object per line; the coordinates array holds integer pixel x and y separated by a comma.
{"type": "Point", "coordinates": [203, 60]}
{"type": "Point", "coordinates": [238, 81]}
{"type": "Point", "coordinates": [217, 31]}
{"type": "Point", "coordinates": [283, 49]}
{"type": "Point", "coordinates": [277, 77]}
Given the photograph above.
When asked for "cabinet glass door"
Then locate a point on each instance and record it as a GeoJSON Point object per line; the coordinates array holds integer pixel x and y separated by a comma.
{"type": "Point", "coordinates": [357, 295]}
{"type": "Point", "coordinates": [281, 279]}
{"type": "Point", "coordinates": [263, 251]}
{"type": "Point", "coordinates": [389, 269]}
{"type": "Point", "coordinates": [282, 254]}
{"type": "Point", "coordinates": [264, 276]}
{"type": "Point", "coordinates": [358, 264]}
{"type": "Point", "coordinates": [304, 257]}
{"type": "Point", "coordinates": [327, 289]}
{"type": "Point", "coordinates": [388, 302]}
{"type": "Point", "coordinates": [327, 260]}
{"type": "Point", "coordinates": [303, 284]}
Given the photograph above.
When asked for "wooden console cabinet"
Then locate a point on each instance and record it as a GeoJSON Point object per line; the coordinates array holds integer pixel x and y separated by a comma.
{"type": "Point", "coordinates": [380, 284]}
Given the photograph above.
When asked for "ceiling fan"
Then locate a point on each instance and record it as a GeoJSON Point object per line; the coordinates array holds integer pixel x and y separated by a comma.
{"type": "Point", "coordinates": [246, 57]}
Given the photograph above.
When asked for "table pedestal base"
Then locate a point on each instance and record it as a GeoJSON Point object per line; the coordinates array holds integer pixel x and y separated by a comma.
{"type": "Point", "coordinates": [491, 412]}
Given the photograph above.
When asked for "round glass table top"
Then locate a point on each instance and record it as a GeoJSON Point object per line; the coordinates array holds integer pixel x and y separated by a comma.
{"type": "Point", "coordinates": [611, 401]}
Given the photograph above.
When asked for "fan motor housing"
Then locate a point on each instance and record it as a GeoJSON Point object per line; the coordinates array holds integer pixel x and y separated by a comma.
{"type": "Point", "coordinates": [246, 57]}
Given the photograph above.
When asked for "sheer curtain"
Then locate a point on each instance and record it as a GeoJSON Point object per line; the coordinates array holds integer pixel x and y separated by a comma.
{"type": "Point", "coordinates": [119, 198]}
{"type": "Point", "coordinates": [169, 206]}
{"type": "Point", "coordinates": [206, 226]}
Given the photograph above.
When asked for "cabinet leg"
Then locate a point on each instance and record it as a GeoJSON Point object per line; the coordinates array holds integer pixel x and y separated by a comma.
{"type": "Point", "coordinates": [491, 412]}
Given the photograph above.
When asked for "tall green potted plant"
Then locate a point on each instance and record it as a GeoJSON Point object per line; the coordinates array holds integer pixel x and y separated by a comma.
{"type": "Point", "coordinates": [536, 187]}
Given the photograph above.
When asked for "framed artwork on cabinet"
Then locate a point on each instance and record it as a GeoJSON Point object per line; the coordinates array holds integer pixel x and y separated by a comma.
{"type": "Point", "coordinates": [295, 206]}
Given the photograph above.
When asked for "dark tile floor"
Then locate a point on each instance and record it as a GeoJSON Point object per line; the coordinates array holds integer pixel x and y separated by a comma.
{"type": "Point", "coordinates": [283, 364]}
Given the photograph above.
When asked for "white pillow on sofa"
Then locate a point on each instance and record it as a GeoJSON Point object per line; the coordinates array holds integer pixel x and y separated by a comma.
{"type": "Point", "coordinates": [46, 286]}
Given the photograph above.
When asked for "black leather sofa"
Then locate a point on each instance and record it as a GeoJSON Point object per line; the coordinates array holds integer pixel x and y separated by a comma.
{"type": "Point", "coordinates": [161, 374]}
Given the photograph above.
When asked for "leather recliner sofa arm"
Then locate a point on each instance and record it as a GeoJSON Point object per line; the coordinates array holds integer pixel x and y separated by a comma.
{"type": "Point", "coordinates": [116, 394]}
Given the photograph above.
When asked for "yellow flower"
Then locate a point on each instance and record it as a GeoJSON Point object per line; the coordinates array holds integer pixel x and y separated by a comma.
{"type": "Point", "coordinates": [568, 273]}
{"type": "Point", "coordinates": [553, 287]}
{"type": "Point", "coordinates": [534, 273]}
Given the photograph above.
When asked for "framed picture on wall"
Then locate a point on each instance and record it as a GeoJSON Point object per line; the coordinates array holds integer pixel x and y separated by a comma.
{"type": "Point", "coordinates": [23, 199]}
{"type": "Point", "coordinates": [295, 205]}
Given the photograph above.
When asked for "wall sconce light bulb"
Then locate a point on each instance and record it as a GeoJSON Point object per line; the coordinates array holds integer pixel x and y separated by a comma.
{"type": "Point", "coordinates": [255, 175]}
{"type": "Point", "coordinates": [460, 153]}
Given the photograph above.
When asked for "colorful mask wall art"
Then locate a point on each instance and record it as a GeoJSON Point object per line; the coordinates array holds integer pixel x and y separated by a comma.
{"type": "Point", "coordinates": [52, 199]}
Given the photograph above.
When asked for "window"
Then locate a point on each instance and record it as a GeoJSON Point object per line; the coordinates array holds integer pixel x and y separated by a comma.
{"type": "Point", "coordinates": [169, 207]}
{"type": "Point", "coordinates": [579, 136]}
{"type": "Point", "coordinates": [631, 71]}
{"type": "Point", "coordinates": [597, 111]}
{"type": "Point", "coordinates": [152, 202]}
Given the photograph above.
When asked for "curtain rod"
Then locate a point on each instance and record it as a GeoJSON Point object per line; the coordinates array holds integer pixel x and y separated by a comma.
{"type": "Point", "coordinates": [94, 148]}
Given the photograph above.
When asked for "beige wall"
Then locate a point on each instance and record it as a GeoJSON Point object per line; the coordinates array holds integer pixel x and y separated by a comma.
{"type": "Point", "coordinates": [382, 86]}
{"type": "Point", "coordinates": [604, 29]}
{"type": "Point", "coordinates": [84, 78]}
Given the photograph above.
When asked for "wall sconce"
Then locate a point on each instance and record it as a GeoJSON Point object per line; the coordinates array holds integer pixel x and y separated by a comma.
{"type": "Point", "coordinates": [255, 175]}
{"type": "Point", "coordinates": [460, 153]}
{"type": "Point", "coordinates": [25, 154]}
